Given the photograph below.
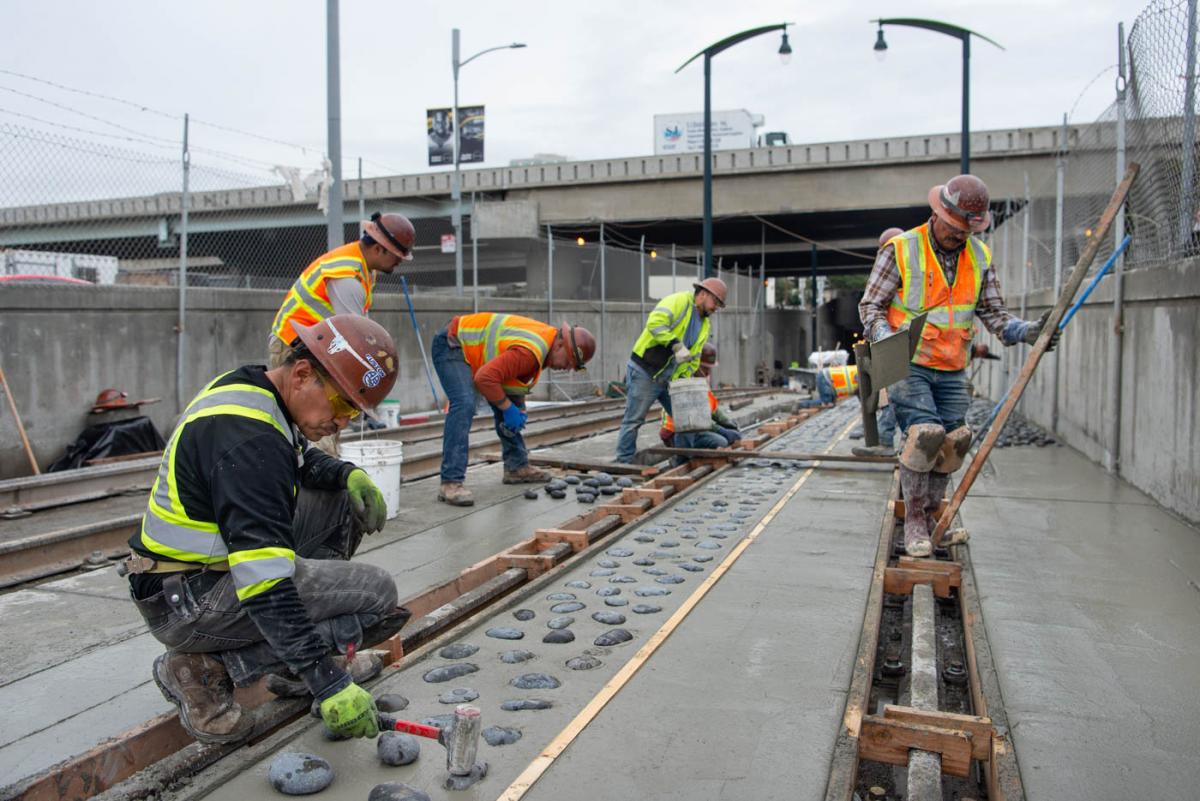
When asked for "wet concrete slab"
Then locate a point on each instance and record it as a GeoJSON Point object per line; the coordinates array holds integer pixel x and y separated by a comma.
{"type": "Point", "coordinates": [1091, 601]}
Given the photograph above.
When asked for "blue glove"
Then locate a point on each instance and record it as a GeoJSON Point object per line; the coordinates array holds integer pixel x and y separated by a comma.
{"type": "Point", "coordinates": [514, 417]}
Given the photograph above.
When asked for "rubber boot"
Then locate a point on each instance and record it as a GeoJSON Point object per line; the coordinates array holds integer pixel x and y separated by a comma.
{"type": "Point", "coordinates": [455, 494]}
{"type": "Point", "coordinates": [200, 686]}
{"type": "Point", "coordinates": [915, 487]}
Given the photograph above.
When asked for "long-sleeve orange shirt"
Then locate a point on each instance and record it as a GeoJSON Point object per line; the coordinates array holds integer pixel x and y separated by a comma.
{"type": "Point", "coordinates": [511, 365]}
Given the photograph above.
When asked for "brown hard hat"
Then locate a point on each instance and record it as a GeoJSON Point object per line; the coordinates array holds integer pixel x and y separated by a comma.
{"type": "Point", "coordinates": [393, 232]}
{"type": "Point", "coordinates": [708, 355]}
{"type": "Point", "coordinates": [962, 203]}
{"type": "Point", "coordinates": [715, 287]}
{"type": "Point", "coordinates": [358, 354]}
{"type": "Point", "coordinates": [581, 345]}
{"type": "Point", "coordinates": [888, 234]}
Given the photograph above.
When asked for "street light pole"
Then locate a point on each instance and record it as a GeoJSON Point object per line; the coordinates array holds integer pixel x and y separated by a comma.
{"type": "Point", "coordinates": [785, 53]}
{"type": "Point", "coordinates": [963, 35]}
{"type": "Point", "coordinates": [456, 185]}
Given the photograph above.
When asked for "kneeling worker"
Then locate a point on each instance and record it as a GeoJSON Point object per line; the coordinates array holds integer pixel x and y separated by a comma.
{"type": "Point", "coordinates": [502, 356]}
{"type": "Point", "coordinates": [241, 565]}
{"type": "Point", "coordinates": [724, 431]}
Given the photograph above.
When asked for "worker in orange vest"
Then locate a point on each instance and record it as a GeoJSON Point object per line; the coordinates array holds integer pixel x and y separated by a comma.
{"type": "Point", "coordinates": [724, 431]}
{"type": "Point", "coordinates": [942, 269]}
{"type": "Point", "coordinates": [500, 356]}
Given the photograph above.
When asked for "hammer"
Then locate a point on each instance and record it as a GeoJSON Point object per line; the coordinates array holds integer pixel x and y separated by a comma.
{"type": "Point", "coordinates": [461, 740]}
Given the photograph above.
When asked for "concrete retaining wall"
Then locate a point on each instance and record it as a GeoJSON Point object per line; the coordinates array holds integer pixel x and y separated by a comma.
{"type": "Point", "coordinates": [1159, 432]}
{"type": "Point", "coordinates": [61, 345]}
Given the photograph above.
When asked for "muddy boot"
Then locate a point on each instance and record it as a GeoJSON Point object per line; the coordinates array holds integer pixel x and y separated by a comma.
{"type": "Point", "coordinates": [873, 450]}
{"type": "Point", "coordinates": [953, 450]}
{"type": "Point", "coordinates": [915, 487]}
{"type": "Point", "coordinates": [199, 685]}
{"type": "Point", "coordinates": [922, 446]}
{"type": "Point", "coordinates": [386, 628]}
{"type": "Point", "coordinates": [455, 494]}
{"type": "Point", "coordinates": [937, 493]}
{"type": "Point", "coordinates": [363, 668]}
{"type": "Point", "coordinates": [526, 474]}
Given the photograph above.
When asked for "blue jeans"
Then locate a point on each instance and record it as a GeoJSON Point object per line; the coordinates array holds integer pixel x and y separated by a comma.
{"type": "Point", "coordinates": [459, 386]}
{"type": "Point", "coordinates": [930, 396]}
{"type": "Point", "coordinates": [641, 390]}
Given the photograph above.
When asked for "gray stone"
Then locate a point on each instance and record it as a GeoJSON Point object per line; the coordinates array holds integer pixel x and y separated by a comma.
{"type": "Point", "coordinates": [661, 555]}
{"type": "Point", "coordinates": [669, 544]}
{"type": "Point", "coordinates": [622, 580]}
{"type": "Point", "coordinates": [604, 479]}
{"type": "Point", "coordinates": [648, 592]}
{"type": "Point", "coordinates": [459, 650]}
{"type": "Point", "coordinates": [608, 592]}
{"type": "Point", "coordinates": [613, 637]}
{"type": "Point", "coordinates": [643, 562]}
{"type": "Point", "coordinates": [332, 737]}
{"type": "Point", "coordinates": [525, 704]}
{"type": "Point", "coordinates": [560, 622]}
{"type": "Point", "coordinates": [608, 618]}
{"type": "Point", "coordinates": [590, 482]}
{"type": "Point", "coordinates": [702, 557]}
{"type": "Point", "coordinates": [559, 637]}
{"type": "Point", "coordinates": [536, 681]}
{"type": "Point", "coordinates": [624, 482]}
{"type": "Point", "coordinates": [531, 494]}
{"type": "Point", "coordinates": [578, 584]}
{"type": "Point", "coordinates": [615, 602]}
{"type": "Point", "coordinates": [397, 748]}
{"type": "Point", "coordinates": [708, 545]}
{"type": "Point", "coordinates": [654, 571]}
{"type": "Point", "coordinates": [448, 672]}
{"type": "Point", "coordinates": [556, 484]}
{"type": "Point", "coordinates": [441, 721]}
{"type": "Point", "coordinates": [567, 608]}
{"type": "Point", "coordinates": [293, 773]}
{"type": "Point", "coordinates": [609, 490]}
{"type": "Point", "coordinates": [505, 633]}
{"type": "Point", "coordinates": [571, 479]}
{"type": "Point", "coordinates": [515, 657]}
{"type": "Point", "coordinates": [716, 535]}
{"type": "Point", "coordinates": [459, 695]}
{"type": "Point", "coordinates": [608, 563]}
{"type": "Point", "coordinates": [561, 596]}
{"type": "Point", "coordinates": [584, 662]}
{"type": "Point", "coordinates": [647, 609]}
{"type": "Point", "coordinates": [619, 552]}
{"type": "Point", "coordinates": [643, 538]}
{"type": "Point", "coordinates": [460, 783]}
{"type": "Point", "coordinates": [557, 495]}
{"type": "Point", "coordinates": [724, 527]}
{"type": "Point", "coordinates": [600, 572]}
{"type": "Point", "coordinates": [391, 702]}
{"type": "Point", "coordinates": [585, 497]}
{"type": "Point", "coordinates": [691, 568]}
{"type": "Point", "coordinates": [524, 614]}
{"type": "Point", "coordinates": [654, 530]}
{"type": "Point", "coordinates": [396, 791]}
{"type": "Point", "coordinates": [670, 579]}
{"type": "Point", "coordinates": [501, 735]}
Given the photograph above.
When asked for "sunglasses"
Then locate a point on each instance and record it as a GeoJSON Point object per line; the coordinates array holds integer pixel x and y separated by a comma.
{"type": "Point", "coordinates": [340, 406]}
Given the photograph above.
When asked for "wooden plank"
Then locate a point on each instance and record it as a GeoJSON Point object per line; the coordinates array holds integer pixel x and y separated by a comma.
{"type": "Point", "coordinates": [534, 565]}
{"type": "Point", "coordinates": [889, 741]}
{"type": "Point", "coordinates": [626, 511]}
{"type": "Point", "coordinates": [596, 465]}
{"type": "Point", "coordinates": [655, 496]}
{"type": "Point", "coordinates": [979, 728]}
{"type": "Point", "coordinates": [785, 456]}
{"type": "Point", "coordinates": [953, 570]}
{"type": "Point", "coordinates": [678, 482]}
{"type": "Point", "coordinates": [578, 540]}
{"type": "Point", "coordinates": [900, 580]}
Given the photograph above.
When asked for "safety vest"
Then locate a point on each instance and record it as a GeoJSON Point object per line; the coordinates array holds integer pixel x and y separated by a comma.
{"type": "Point", "coordinates": [669, 424]}
{"type": "Point", "coordinates": [486, 335]}
{"type": "Point", "coordinates": [844, 380]}
{"type": "Point", "coordinates": [669, 321]}
{"type": "Point", "coordinates": [307, 302]}
{"type": "Point", "coordinates": [170, 533]}
{"type": "Point", "coordinates": [946, 338]}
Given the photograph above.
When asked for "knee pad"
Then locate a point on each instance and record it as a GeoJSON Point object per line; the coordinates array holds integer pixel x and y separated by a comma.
{"type": "Point", "coordinates": [922, 443]}
{"type": "Point", "coordinates": [953, 451]}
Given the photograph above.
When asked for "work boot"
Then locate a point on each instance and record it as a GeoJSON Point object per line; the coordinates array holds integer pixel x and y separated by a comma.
{"type": "Point", "coordinates": [364, 667]}
{"type": "Point", "coordinates": [526, 474]}
{"type": "Point", "coordinates": [199, 685]}
{"type": "Point", "coordinates": [873, 450]}
{"type": "Point", "coordinates": [937, 491]}
{"type": "Point", "coordinates": [455, 494]}
{"type": "Point", "coordinates": [915, 488]}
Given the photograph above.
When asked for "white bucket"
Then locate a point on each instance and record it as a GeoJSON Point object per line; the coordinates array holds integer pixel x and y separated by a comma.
{"type": "Point", "coordinates": [689, 404]}
{"type": "Point", "coordinates": [389, 412]}
{"type": "Point", "coordinates": [381, 459]}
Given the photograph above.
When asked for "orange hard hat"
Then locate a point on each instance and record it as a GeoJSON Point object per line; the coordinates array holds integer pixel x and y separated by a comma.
{"type": "Point", "coordinates": [358, 354]}
{"type": "Point", "coordinates": [962, 203]}
{"type": "Point", "coordinates": [888, 234]}
{"type": "Point", "coordinates": [393, 232]}
{"type": "Point", "coordinates": [581, 345]}
{"type": "Point", "coordinates": [715, 287]}
{"type": "Point", "coordinates": [708, 355]}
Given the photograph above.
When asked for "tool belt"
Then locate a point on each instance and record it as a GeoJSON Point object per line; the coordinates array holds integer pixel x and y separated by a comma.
{"type": "Point", "coordinates": [135, 564]}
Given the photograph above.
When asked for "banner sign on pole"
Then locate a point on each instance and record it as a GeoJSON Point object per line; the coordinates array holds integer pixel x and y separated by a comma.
{"type": "Point", "coordinates": [439, 125]}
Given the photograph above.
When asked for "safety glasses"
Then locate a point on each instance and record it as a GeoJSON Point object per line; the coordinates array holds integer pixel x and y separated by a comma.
{"type": "Point", "coordinates": [340, 406]}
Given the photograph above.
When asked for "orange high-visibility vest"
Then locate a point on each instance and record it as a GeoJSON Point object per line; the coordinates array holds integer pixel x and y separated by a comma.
{"type": "Point", "coordinates": [669, 424]}
{"type": "Point", "coordinates": [307, 302]}
{"type": "Point", "coordinates": [946, 338]}
{"type": "Point", "coordinates": [486, 335]}
{"type": "Point", "coordinates": [844, 380]}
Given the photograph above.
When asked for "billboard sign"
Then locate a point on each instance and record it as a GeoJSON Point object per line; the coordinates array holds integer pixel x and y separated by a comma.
{"type": "Point", "coordinates": [684, 133]}
{"type": "Point", "coordinates": [439, 126]}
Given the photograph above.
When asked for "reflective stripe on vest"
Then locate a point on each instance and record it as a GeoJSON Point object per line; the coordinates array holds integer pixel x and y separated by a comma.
{"type": "Point", "coordinates": [307, 301]}
{"type": "Point", "coordinates": [946, 339]}
{"type": "Point", "coordinates": [486, 335]}
{"type": "Point", "coordinates": [168, 531]}
{"type": "Point", "coordinates": [678, 308]}
{"type": "Point", "coordinates": [844, 380]}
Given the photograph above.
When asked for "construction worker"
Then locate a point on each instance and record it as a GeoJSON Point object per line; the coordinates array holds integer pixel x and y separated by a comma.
{"type": "Point", "coordinates": [724, 431]}
{"type": "Point", "coordinates": [501, 356]}
{"type": "Point", "coordinates": [241, 566]}
{"type": "Point", "coordinates": [668, 348]}
{"type": "Point", "coordinates": [885, 417]}
{"type": "Point", "coordinates": [340, 282]}
{"type": "Point", "coordinates": [938, 267]}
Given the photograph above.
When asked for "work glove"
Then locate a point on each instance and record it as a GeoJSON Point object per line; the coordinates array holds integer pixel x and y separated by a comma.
{"type": "Point", "coordinates": [370, 509]}
{"type": "Point", "coordinates": [514, 418]}
{"type": "Point", "coordinates": [351, 712]}
{"type": "Point", "coordinates": [1034, 330]}
{"type": "Point", "coordinates": [682, 354]}
{"type": "Point", "coordinates": [881, 331]}
{"type": "Point", "coordinates": [983, 352]}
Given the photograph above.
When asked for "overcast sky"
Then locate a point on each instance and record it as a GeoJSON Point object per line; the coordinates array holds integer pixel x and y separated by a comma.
{"type": "Point", "coordinates": [587, 86]}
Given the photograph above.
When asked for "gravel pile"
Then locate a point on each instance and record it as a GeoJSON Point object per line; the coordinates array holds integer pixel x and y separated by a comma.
{"type": "Point", "coordinates": [1017, 430]}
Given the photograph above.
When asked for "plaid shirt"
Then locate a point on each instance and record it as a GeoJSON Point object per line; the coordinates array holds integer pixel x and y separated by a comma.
{"type": "Point", "coordinates": [884, 283]}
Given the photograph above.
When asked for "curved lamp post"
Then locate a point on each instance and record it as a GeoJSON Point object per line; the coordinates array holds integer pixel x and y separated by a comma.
{"type": "Point", "coordinates": [785, 55]}
{"type": "Point", "coordinates": [962, 34]}
{"type": "Point", "coordinates": [456, 187]}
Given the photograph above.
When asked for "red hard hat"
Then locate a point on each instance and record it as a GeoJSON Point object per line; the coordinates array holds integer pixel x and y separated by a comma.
{"type": "Point", "coordinates": [581, 345]}
{"type": "Point", "coordinates": [714, 286]}
{"type": "Point", "coordinates": [962, 203]}
{"type": "Point", "coordinates": [358, 354]}
{"type": "Point", "coordinates": [393, 232]}
{"type": "Point", "coordinates": [888, 234]}
{"type": "Point", "coordinates": [708, 355]}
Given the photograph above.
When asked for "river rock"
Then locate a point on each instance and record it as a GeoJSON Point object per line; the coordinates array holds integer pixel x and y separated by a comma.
{"type": "Point", "coordinates": [396, 791]}
{"type": "Point", "coordinates": [293, 773]}
{"type": "Point", "coordinates": [458, 650]}
{"type": "Point", "coordinates": [536, 681]}
{"type": "Point", "coordinates": [448, 672]}
{"type": "Point", "coordinates": [613, 637]}
{"type": "Point", "coordinates": [559, 637]}
{"type": "Point", "coordinates": [501, 735]}
{"type": "Point", "coordinates": [397, 748]}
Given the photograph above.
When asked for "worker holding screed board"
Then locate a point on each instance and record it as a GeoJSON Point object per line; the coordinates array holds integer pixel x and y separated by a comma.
{"type": "Point", "coordinates": [940, 269]}
{"type": "Point", "coordinates": [241, 566]}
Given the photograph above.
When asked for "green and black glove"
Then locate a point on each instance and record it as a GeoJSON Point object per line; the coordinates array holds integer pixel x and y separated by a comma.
{"type": "Point", "coordinates": [369, 506]}
{"type": "Point", "coordinates": [351, 712]}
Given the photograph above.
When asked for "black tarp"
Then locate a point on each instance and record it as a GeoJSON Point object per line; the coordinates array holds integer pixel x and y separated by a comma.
{"type": "Point", "coordinates": [135, 435]}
